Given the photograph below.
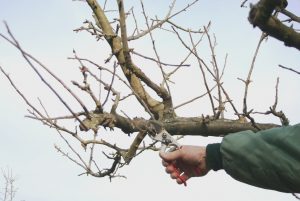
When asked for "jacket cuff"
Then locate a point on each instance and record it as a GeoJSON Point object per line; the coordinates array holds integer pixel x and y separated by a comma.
{"type": "Point", "coordinates": [214, 157]}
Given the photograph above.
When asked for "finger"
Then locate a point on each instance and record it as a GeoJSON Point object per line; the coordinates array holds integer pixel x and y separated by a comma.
{"type": "Point", "coordinates": [175, 174]}
{"type": "Point", "coordinates": [181, 179]}
{"type": "Point", "coordinates": [170, 156]}
{"type": "Point", "coordinates": [164, 163]}
{"type": "Point", "coordinates": [170, 168]}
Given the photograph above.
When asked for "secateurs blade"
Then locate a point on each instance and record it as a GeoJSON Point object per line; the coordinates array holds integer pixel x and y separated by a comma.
{"type": "Point", "coordinates": [169, 144]}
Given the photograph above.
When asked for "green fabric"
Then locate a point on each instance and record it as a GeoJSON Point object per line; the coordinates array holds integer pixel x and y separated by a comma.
{"type": "Point", "coordinates": [214, 157]}
{"type": "Point", "coordinates": [268, 159]}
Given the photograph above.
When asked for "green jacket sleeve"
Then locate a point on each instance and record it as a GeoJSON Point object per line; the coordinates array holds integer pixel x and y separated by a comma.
{"type": "Point", "coordinates": [268, 159]}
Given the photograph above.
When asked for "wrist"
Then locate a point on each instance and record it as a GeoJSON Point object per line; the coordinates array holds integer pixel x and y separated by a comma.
{"type": "Point", "coordinates": [214, 157]}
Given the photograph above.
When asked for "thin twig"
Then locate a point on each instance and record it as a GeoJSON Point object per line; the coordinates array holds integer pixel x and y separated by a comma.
{"type": "Point", "coordinates": [217, 75]}
{"type": "Point", "coordinates": [203, 74]}
{"type": "Point", "coordinates": [115, 92]}
{"type": "Point", "coordinates": [42, 118]}
{"type": "Point", "coordinates": [161, 22]}
{"type": "Point", "coordinates": [189, 52]}
{"type": "Point", "coordinates": [69, 157]}
{"type": "Point", "coordinates": [92, 152]}
{"type": "Point", "coordinates": [82, 164]}
{"type": "Point", "coordinates": [243, 3]}
{"type": "Point", "coordinates": [248, 81]}
{"type": "Point", "coordinates": [284, 120]}
{"type": "Point", "coordinates": [196, 98]}
{"type": "Point", "coordinates": [26, 56]}
{"type": "Point", "coordinates": [104, 6]}
{"type": "Point", "coordinates": [296, 196]}
{"type": "Point", "coordinates": [21, 94]}
{"type": "Point", "coordinates": [154, 46]}
{"type": "Point", "coordinates": [290, 69]}
{"type": "Point", "coordinates": [192, 52]}
{"type": "Point", "coordinates": [292, 16]}
{"type": "Point", "coordinates": [183, 29]}
{"type": "Point", "coordinates": [162, 63]}
{"type": "Point", "coordinates": [111, 83]}
{"type": "Point", "coordinates": [135, 22]}
{"type": "Point", "coordinates": [101, 68]}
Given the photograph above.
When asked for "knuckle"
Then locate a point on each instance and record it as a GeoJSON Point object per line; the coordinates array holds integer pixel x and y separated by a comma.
{"type": "Point", "coordinates": [174, 175]}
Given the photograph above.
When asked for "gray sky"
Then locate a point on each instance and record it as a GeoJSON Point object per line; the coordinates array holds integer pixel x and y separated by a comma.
{"type": "Point", "coordinates": [45, 30]}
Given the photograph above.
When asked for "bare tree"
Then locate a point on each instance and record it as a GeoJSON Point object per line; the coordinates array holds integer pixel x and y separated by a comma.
{"type": "Point", "coordinates": [122, 80]}
{"type": "Point", "coordinates": [9, 189]}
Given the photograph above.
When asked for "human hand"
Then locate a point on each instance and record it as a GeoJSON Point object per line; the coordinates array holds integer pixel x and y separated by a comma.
{"type": "Point", "coordinates": [186, 162]}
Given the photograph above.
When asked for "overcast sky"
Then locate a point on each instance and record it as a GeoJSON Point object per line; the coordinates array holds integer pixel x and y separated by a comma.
{"type": "Point", "coordinates": [45, 29]}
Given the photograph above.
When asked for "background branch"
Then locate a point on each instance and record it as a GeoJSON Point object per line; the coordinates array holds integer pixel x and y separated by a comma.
{"type": "Point", "coordinates": [261, 15]}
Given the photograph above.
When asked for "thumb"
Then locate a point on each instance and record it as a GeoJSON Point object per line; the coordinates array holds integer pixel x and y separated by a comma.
{"type": "Point", "coordinates": [170, 156]}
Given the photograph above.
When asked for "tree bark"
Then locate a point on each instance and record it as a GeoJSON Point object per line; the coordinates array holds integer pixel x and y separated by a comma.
{"type": "Point", "coordinates": [193, 126]}
{"type": "Point", "coordinates": [260, 15]}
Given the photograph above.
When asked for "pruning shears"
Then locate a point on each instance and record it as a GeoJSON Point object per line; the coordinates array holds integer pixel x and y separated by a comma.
{"type": "Point", "coordinates": [167, 141]}
{"type": "Point", "coordinates": [169, 144]}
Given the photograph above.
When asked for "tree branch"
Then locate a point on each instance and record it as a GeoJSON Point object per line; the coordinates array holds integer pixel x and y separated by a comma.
{"type": "Point", "coordinates": [260, 15]}
{"type": "Point", "coordinates": [292, 16]}
{"type": "Point", "coordinates": [290, 69]}
{"type": "Point", "coordinates": [178, 126]}
{"type": "Point", "coordinates": [133, 74]}
{"type": "Point", "coordinates": [161, 22]}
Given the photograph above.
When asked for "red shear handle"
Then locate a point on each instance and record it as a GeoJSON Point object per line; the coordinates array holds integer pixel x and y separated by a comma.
{"type": "Point", "coordinates": [183, 179]}
{"type": "Point", "coordinates": [178, 175]}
